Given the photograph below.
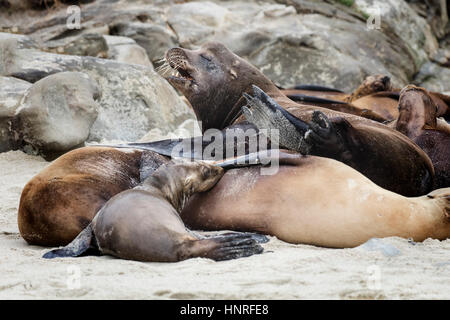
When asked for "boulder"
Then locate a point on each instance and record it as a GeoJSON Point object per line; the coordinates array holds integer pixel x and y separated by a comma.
{"type": "Point", "coordinates": [433, 77]}
{"type": "Point", "coordinates": [56, 113]}
{"type": "Point", "coordinates": [123, 49]}
{"type": "Point", "coordinates": [154, 38]}
{"type": "Point", "coordinates": [11, 92]}
{"type": "Point", "coordinates": [135, 99]}
{"type": "Point", "coordinates": [88, 44]}
{"type": "Point", "coordinates": [308, 42]}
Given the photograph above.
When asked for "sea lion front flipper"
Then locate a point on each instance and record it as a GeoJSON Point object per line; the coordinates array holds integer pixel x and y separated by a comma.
{"type": "Point", "coordinates": [266, 113]}
{"type": "Point", "coordinates": [321, 136]}
{"type": "Point", "coordinates": [326, 137]}
{"type": "Point", "coordinates": [226, 247]}
{"type": "Point", "coordinates": [82, 243]}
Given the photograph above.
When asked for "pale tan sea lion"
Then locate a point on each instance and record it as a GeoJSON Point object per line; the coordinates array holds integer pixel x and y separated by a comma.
{"type": "Point", "coordinates": [318, 201]}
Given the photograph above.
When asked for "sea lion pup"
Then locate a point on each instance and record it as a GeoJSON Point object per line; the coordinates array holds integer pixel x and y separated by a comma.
{"type": "Point", "coordinates": [214, 79]}
{"type": "Point", "coordinates": [143, 223]}
{"type": "Point", "coordinates": [61, 200]}
{"type": "Point", "coordinates": [317, 201]}
{"type": "Point", "coordinates": [417, 120]}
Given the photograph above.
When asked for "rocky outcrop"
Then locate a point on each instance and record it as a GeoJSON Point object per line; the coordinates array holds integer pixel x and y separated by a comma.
{"type": "Point", "coordinates": [135, 99]}
{"type": "Point", "coordinates": [291, 41]}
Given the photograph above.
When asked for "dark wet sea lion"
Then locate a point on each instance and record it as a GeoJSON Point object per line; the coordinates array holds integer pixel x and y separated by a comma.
{"type": "Point", "coordinates": [214, 79]}
{"type": "Point", "coordinates": [318, 201]}
{"type": "Point", "coordinates": [417, 120]}
{"type": "Point", "coordinates": [62, 199]}
{"type": "Point", "coordinates": [143, 223]}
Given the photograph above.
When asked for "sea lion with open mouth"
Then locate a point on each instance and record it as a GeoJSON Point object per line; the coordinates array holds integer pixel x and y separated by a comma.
{"type": "Point", "coordinates": [214, 80]}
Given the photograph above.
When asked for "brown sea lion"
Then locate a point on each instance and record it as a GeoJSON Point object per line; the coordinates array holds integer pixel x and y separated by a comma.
{"type": "Point", "coordinates": [63, 198]}
{"type": "Point", "coordinates": [214, 79]}
{"type": "Point", "coordinates": [418, 120]}
{"type": "Point", "coordinates": [143, 223]}
{"type": "Point", "coordinates": [375, 99]}
{"type": "Point", "coordinates": [318, 201]}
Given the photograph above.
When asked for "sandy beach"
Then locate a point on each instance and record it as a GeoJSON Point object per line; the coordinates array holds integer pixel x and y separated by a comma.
{"type": "Point", "coordinates": [390, 268]}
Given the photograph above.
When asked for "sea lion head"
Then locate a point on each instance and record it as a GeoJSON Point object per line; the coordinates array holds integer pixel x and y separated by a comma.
{"type": "Point", "coordinates": [198, 176]}
{"type": "Point", "coordinates": [372, 84]}
{"type": "Point", "coordinates": [213, 79]}
{"type": "Point", "coordinates": [417, 111]}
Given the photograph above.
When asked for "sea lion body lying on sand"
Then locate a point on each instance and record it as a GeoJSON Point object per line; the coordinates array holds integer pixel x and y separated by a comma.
{"type": "Point", "coordinates": [61, 200]}
{"type": "Point", "coordinates": [318, 201]}
{"type": "Point", "coordinates": [143, 223]}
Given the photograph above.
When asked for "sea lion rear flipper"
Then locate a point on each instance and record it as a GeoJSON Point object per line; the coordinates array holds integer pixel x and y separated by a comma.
{"type": "Point", "coordinates": [226, 247]}
{"type": "Point", "coordinates": [83, 242]}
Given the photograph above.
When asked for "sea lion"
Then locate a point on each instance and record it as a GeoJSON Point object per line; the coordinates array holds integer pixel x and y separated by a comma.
{"type": "Point", "coordinates": [375, 99]}
{"type": "Point", "coordinates": [418, 121]}
{"type": "Point", "coordinates": [318, 201]}
{"type": "Point", "coordinates": [143, 223]}
{"type": "Point", "coordinates": [60, 201]}
{"type": "Point", "coordinates": [214, 79]}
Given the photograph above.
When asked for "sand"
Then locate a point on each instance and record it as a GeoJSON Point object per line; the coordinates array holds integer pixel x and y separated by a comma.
{"type": "Point", "coordinates": [402, 270]}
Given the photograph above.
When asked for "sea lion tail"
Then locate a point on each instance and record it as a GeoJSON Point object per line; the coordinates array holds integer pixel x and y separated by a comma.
{"type": "Point", "coordinates": [84, 241]}
{"type": "Point", "coordinates": [229, 246]}
{"type": "Point", "coordinates": [443, 196]}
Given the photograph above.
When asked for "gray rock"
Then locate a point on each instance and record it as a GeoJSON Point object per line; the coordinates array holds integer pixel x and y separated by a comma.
{"type": "Point", "coordinates": [135, 99]}
{"type": "Point", "coordinates": [316, 46]}
{"type": "Point", "coordinates": [154, 38]}
{"type": "Point", "coordinates": [56, 113]}
{"type": "Point", "coordinates": [88, 44]}
{"type": "Point", "coordinates": [433, 77]}
{"type": "Point", "coordinates": [20, 40]}
{"type": "Point", "coordinates": [400, 20]}
{"type": "Point", "coordinates": [123, 49]}
{"type": "Point", "coordinates": [11, 92]}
